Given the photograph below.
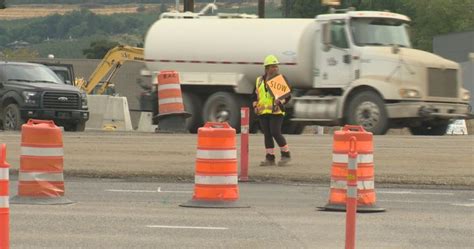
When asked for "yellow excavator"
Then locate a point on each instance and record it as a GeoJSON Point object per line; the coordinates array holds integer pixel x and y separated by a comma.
{"type": "Point", "coordinates": [109, 65]}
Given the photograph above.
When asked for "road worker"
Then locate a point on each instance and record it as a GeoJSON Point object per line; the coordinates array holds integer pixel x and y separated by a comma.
{"type": "Point", "coordinates": [271, 111]}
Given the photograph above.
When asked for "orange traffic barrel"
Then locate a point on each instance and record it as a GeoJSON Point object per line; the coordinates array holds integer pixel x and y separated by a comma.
{"type": "Point", "coordinates": [4, 206]}
{"type": "Point", "coordinates": [216, 178]}
{"type": "Point", "coordinates": [40, 178]}
{"type": "Point", "coordinates": [171, 114]}
{"type": "Point", "coordinates": [365, 170]}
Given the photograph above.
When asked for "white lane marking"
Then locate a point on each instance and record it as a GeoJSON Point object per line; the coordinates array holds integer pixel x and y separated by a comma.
{"type": "Point", "coordinates": [412, 193]}
{"type": "Point", "coordinates": [463, 205]}
{"type": "Point", "coordinates": [435, 202]}
{"type": "Point", "coordinates": [145, 191]}
{"type": "Point", "coordinates": [131, 191]}
{"type": "Point", "coordinates": [186, 227]}
{"type": "Point", "coordinates": [177, 191]}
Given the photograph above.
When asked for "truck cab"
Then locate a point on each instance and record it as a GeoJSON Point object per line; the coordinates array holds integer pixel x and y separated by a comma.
{"type": "Point", "coordinates": [366, 72]}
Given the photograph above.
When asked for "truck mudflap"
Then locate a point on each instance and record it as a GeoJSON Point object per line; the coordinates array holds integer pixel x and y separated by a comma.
{"type": "Point", "coordinates": [429, 110]}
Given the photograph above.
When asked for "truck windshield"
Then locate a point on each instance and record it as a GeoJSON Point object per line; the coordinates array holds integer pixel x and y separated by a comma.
{"type": "Point", "coordinates": [30, 73]}
{"type": "Point", "coordinates": [380, 32]}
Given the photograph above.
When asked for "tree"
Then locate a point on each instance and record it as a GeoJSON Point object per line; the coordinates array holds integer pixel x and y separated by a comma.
{"type": "Point", "coordinates": [429, 17]}
{"type": "Point", "coordinates": [435, 17]}
{"type": "Point", "coordinates": [98, 49]}
{"type": "Point", "coordinates": [2, 4]}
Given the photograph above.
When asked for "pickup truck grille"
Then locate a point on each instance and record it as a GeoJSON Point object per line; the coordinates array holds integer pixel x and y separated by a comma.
{"type": "Point", "coordinates": [442, 82]}
{"type": "Point", "coordinates": [61, 100]}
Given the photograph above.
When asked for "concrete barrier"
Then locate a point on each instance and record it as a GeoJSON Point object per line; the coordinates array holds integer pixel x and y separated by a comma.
{"type": "Point", "coordinates": [458, 127]}
{"type": "Point", "coordinates": [108, 112]}
{"type": "Point", "coordinates": [145, 122]}
{"type": "Point", "coordinates": [97, 107]}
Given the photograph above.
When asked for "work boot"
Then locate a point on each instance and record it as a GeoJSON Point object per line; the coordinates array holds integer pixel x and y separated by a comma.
{"type": "Point", "coordinates": [285, 158]}
{"type": "Point", "coordinates": [269, 160]}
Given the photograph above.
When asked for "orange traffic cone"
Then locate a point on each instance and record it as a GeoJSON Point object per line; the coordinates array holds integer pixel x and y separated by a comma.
{"type": "Point", "coordinates": [216, 180]}
{"type": "Point", "coordinates": [40, 179]}
{"type": "Point", "coordinates": [171, 115]}
{"type": "Point", "coordinates": [365, 170]}
{"type": "Point", "coordinates": [4, 207]}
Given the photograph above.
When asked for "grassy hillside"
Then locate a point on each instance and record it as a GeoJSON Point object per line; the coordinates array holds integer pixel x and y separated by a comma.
{"type": "Point", "coordinates": [66, 34]}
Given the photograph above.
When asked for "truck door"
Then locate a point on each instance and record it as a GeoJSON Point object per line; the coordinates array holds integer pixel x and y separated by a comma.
{"type": "Point", "coordinates": [333, 57]}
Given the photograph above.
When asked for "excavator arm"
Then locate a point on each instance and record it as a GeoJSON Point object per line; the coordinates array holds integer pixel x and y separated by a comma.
{"type": "Point", "coordinates": [112, 61]}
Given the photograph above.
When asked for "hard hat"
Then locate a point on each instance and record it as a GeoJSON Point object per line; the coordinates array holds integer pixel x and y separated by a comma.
{"type": "Point", "coordinates": [270, 60]}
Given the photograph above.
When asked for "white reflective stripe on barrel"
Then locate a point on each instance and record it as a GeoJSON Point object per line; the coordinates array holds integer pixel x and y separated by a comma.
{"type": "Point", "coordinates": [4, 202]}
{"type": "Point", "coordinates": [339, 184]}
{"type": "Point", "coordinates": [40, 176]}
{"type": "Point", "coordinates": [216, 154]}
{"type": "Point", "coordinates": [168, 87]}
{"type": "Point", "coordinates": [35, 151]}
{"type": "Point", "coordinates": [4, 174]}
{"type": "Point", "coordinates": [170, 101]}
{"type": "Point", "coordinates": [215, 180]}
{"type": "Point", "coordinates": [361, 158]}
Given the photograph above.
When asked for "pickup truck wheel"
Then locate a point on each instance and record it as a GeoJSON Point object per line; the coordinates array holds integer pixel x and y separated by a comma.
{"type": "Point", "coordinates": [223, 106]}
{"type": "Point", "coordinates": [193, 105]}
{"type": "Point", "coordinates": [430, 129]}
{"type": "Point", "coordinates": [368, 110]}
{"type": "Point", "coordinates": [81, 126]}
{"type": "Point", "coordinates": [11, 118]}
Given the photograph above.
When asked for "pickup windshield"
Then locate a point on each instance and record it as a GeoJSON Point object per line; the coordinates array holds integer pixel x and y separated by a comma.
{"type": "Point", "coordinates": [379, 32]}
{"type": "Point", "coordinates": [30, 73]}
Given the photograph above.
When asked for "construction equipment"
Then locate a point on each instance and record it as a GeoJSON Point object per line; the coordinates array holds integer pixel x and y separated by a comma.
{"type": "Point", "coordinates": [107, 68]}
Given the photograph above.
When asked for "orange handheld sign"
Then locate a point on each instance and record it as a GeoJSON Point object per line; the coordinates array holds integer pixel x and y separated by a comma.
{"type": "Point", "coordinates": [278, 87]}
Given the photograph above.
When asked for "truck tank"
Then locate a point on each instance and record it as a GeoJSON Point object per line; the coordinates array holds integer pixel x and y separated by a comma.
{"type": "Point", "coordinates": [229, 46]}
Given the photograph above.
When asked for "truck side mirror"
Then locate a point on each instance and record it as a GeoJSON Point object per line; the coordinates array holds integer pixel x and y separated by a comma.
{"type": "Point", "coordinates": [326, 30]}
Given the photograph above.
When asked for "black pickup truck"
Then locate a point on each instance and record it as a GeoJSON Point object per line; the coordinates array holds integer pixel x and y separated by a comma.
{"type": "Point", "coordinates": [29, 90]}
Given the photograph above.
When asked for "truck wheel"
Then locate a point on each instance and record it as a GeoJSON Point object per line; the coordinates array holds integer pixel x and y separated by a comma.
{"type": "Point", "coordinates": [430, 129]}
{"type": "Point", "coordinates": [193, 105]}
{"type": "Point", "coordinates": [81, 126]}
{"type": "Point", "coordinates": [11, 118]}
{"type": "Point", "coordinates": [368, 110]}
{"type": "Point", "coordinates": [223, 106]}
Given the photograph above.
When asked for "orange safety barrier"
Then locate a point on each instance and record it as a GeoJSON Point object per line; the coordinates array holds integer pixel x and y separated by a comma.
{"type": "Point", "coordinates": [4, 206]}
{"type": "Point", "coordinates": [216, 180]}
{"type": "Point", "coordinates": [365, 170]}
{"type": "Point", "coordinates": [40, 179]}
{"type": "Point", "coordinates": [171, 115]}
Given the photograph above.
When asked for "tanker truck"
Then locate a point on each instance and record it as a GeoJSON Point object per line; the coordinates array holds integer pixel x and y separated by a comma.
{"type": "Point", "coordinates": [351, 67]}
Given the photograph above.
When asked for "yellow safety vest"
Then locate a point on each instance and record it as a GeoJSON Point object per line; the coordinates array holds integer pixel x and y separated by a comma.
{"type": "Point", "coordinates": [265, 103]}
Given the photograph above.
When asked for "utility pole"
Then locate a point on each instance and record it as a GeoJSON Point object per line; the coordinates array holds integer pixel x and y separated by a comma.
{"type": "Point", "coordinates": [287, 8]}
{"type": "Point", "coordinates": [261, 8]}
{"type": "Point", "coordinates": [189, 5]}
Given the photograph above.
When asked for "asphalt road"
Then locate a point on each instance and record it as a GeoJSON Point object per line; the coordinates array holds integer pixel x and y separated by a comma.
{"type": "Point", "coordinates": [446, 161]}
{"type": "Point", "coordinates": [112, 213]}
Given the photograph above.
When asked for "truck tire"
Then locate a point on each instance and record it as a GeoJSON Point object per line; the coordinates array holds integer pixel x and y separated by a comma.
{"type": "Point", "coordinates": [367, 109]}
{"type": "Point", "coordinates": [223, 105]}
{"type": "Point", "coordinates": [193, 105]}
{"type": "Point", "coordinates": [11, 118]}
{"type": "Point", "coordinates": [81, 126]}
{"type": "Point", "coordinates": [430, 129]}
